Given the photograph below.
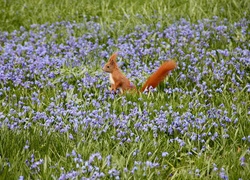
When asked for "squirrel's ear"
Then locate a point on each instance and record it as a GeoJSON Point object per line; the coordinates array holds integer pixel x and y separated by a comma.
{"type": "Point", "coordinates": [113, 57]}
{"type": "Point", "coordinates": [111, 61]}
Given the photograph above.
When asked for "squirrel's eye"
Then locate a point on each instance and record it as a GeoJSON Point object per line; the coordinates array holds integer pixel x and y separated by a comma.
{"type": "Point", "coordinates": [107, 66]}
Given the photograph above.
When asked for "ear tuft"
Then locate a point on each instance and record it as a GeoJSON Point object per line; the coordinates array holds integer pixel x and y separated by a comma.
{"type": "Point", "coordinates": [113, 57]}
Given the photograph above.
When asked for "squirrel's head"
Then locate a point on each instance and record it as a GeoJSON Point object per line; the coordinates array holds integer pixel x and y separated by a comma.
{"type": "Point", "coordinates": [111, 64]}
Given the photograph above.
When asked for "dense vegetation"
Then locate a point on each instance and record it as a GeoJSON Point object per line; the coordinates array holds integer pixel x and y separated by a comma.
{"type": "Point", "coordinates": [58, 119]}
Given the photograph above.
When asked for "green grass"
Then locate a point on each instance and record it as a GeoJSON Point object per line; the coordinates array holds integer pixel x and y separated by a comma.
{"type": "Point", "coordinates": [126, 13]}
{"type": "Point", "coordinates": [53, 146]}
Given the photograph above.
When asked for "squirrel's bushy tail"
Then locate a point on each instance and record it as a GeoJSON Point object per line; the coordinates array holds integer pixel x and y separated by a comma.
{"type": "Point", "coordinates": [159, 75]}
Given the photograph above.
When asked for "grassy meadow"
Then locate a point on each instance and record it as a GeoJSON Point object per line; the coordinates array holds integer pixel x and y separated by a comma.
{"type": "Point", "coordinates": [58, 119]}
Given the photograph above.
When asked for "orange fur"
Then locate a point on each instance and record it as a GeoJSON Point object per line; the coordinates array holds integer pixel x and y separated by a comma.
{"type": "Point", "coordinates": [119, 81]}
{"type": "Point", "coordinates": [159, 75]}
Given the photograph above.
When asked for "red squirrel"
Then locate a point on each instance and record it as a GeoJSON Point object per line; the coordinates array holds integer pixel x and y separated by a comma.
{"type": "Point", "coordinates": [119, 81]}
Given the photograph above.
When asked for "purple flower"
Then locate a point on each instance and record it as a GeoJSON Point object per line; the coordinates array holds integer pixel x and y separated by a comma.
{"type": "Point", "coordinates": [46, 84]}
{"type": "Point", "coordinates": [242, 161]}
{"type": "Point", "coordinates": [223, 174]}
{"type": "Point", "coordinates": [114, 173]}
{"type": "Point", "coordinates": [21, 178]}
{"type": "Point", "coordinates": [164, 154]}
